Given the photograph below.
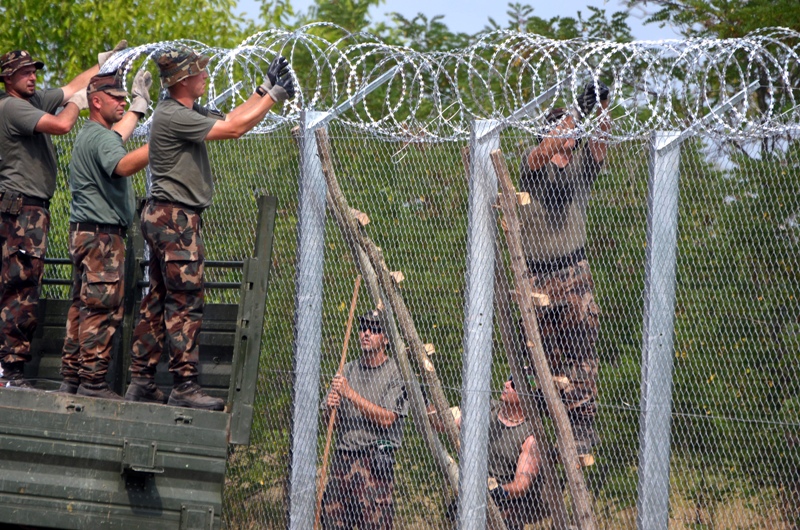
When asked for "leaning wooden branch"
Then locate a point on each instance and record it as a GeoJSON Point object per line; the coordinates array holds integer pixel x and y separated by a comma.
{"type": "Point", "coordinates": [551, 490]}
{"type": "Point", "coordinates": [566, 442]}
{"type": "Point", "coordinates": [349, 228]}
{"type": "Point", "coordinates": [402, 316]}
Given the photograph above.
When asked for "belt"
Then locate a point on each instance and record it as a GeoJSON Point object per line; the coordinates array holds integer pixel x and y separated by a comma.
{"type": "Point", "coordinates": [32, 201]}
{"type": "Point", "coordinates": [557, 264]}
{"type": "Point", "coordinates": [173, 204]}
{"type": "Point", "coordinates": [98, 228]}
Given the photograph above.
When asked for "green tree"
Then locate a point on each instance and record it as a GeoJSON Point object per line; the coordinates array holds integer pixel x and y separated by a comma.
{"type": "Point", "coordinates": [598, 25]}
{"type": "Point", "coordinates": [421, 33]}
{"type": "Point", "coordinates": [68, 35]}
{"type": "Point", "coordinates": [720, 18]}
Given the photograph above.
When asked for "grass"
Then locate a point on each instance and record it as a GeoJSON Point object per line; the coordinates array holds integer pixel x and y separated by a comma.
{"type": "Point", "coordinates": [737, 319]}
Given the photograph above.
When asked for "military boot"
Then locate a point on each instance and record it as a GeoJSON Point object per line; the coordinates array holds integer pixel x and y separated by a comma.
{"type": "Point", "coordinates": [191, 395]}
{"type": "Point", "coordinates": [97, 390]}
{"type": "Point", "coordinates": [68, 386]}
{"type": "Point", "coordinates": [145, 391]}
{"type": "Point", "coordinates": [14, 376]}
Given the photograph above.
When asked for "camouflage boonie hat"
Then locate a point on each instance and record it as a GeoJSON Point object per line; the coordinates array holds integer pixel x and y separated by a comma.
{"type": "Point", "coordinates": [110, 83]}
{"type": "Point", "coordinates": [176, 65]}
{"type": "Point", "coordinates": [373, 320]}
{"type": "Point", "coordinates": [12, 61]}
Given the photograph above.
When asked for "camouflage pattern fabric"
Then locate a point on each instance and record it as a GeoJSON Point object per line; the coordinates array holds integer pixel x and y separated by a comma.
{"type": "Point", "coordinates": [171, 314]}
{"type": "Point", "coordinates": [359, 492]}
{"type": "Point", "coordinates": [569, 328]}
{"type": "Point", "coordinates": [23, 239]}
{"type": "Point", "coordinates": [98, 277]}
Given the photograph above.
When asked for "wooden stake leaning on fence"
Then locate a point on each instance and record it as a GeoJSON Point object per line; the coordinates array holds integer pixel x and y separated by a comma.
{"type": "Point", "coordinates": [372, 266]}
{"type": "Point", "coordinates": [551, 490]}
{"type": "Point", "coordinates": [349, 227]}
{"type": "Point", "coordinates": [584, 516]}
{"type": "Point", "coordinates": [332, 419]}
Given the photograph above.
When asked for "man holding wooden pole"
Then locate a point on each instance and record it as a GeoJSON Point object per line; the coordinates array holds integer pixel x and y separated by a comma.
{"type": "Point", "coordinates": [558, 174]}
{"type": "Point", "coordinates": [371, 400]}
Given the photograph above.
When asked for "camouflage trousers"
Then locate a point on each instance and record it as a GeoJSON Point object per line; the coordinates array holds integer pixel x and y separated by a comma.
{"type": "Point", "coordinates": [569, 328]}
{"type": "Point", "coordinates": [172, 311]}
{"type": "Point", "coordinates": [23, 238]}
{"type": "Point", "coordinates": [98, 286]}
{"type": "Point", "coordinates": [359, 492]}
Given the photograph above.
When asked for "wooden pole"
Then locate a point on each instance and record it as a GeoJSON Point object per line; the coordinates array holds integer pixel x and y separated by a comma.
{"type": "Point", "coordinates": [332, 419]}
{"type": "Point", "coordinates": [405, 324]}
{"type": "Point", "coordinates": [566, 441]}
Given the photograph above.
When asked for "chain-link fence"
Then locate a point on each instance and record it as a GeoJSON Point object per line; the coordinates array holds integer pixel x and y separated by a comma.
{"type": "Point", "coordinates": [690, 306]}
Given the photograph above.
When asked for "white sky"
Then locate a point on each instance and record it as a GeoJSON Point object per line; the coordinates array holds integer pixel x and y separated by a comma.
{"type": "Point", "coordinates": [471, 16]}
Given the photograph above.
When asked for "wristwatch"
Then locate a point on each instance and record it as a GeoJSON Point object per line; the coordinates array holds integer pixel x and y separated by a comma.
{"type": "Point", "coordinates": [261, 91]}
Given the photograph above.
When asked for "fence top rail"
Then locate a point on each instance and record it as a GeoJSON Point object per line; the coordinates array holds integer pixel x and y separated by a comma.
{"type": "Point", "coordinates": [513, 78]}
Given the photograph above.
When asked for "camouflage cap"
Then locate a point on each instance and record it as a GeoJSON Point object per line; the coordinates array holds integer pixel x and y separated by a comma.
{"type": "Point", "coordinates": [12, 61]}
{"type": "Point", "coordinates": [110, 83]}
{"type": "Point", "coordinates": [176, 65]}
{"type": "Point", "coordinates": [373, 320]}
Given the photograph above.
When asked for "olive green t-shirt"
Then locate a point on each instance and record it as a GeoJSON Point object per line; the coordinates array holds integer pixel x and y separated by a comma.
{"type": "Point", "coordinates": [505, 445]}
{"type": "Point", "coordinates": [179, 166]}
{"type": "Point", "coordinates": [554, 223]}
{"type": "Point", "coordinates": [27, 158]}
{"type": "Point", "coordinates": [99, 195]}
{"type": "Point", "coordinates": [382, 385]}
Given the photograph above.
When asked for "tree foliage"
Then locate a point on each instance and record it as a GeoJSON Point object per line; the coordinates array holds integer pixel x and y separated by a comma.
{"type": "Point", "coordinates": [720, 18]}
{"type": "Point", "coordinates": [68, 35]}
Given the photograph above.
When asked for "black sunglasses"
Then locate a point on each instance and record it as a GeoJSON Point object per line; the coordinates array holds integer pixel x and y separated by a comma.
{"type": "Point", "coordinates": [374, 328]}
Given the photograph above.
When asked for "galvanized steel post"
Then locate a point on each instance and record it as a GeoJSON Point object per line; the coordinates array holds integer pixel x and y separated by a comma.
{"type": "Point", "coordinates": [478, 325]}
{"type": "Point", "coordinates": [658, 332]}
{"type": "Point", "coordinates": [307, 329]}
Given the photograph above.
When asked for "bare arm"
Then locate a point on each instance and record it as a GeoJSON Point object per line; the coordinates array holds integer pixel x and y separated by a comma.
{"type": "Point", "coordinates": [60, 123]}
{"type": "Point", "coordinates": [126, 125]}
{"type": "Point", "coordinates": [79, 82]}
{"type": "Point", "coordinates": [242, 118]}
{"type": "Point", "coordinates": [599, 148]}
{"type": "Point", "coordinates": [552, 145]}
{"type": "Point", "coordinates": [527, 469]}
{"type": "Point", "coordinates": [133, 162]}
{"type": "Point", "coordinates": [371, 411]}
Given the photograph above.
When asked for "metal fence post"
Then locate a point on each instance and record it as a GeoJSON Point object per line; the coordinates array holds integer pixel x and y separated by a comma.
{"type": "Point", "coordinates": [478, 324]}
{"type": "Point", "coordinates": [658, 332]}
{"type": "Point", "coordinates": [307, 329]}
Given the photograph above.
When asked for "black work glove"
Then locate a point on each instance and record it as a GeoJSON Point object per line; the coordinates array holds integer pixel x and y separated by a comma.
{"type": "Point", "coordinates": [499, 495]}
{"type": "Point", "coordinates": [591, 94]}
{"type": "Point", "coordinates": [279, 83]}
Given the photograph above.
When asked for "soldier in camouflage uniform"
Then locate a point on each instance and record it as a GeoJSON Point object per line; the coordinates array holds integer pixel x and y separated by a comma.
{"type": "Point", "coordinates": [100, 213]}
{"type": "Point", "coordinates": [372, 406]}
{"type": "Point", "coordinates": [27, 182]}
{"type": "Point", "coordinates": [182, 187]}
{"type": "Point", "coordinates": [558, 174]}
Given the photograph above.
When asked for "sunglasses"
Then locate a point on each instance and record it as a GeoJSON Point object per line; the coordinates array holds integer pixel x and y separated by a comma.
{"type": "Point", "coordinates": [511, 378]}
{"type": "Point", "coordinates": [373, 328]}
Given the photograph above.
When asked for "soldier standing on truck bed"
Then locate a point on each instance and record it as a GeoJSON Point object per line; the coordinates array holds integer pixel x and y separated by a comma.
{"type": "Point", "coordinates": [101, 211]}
{"type": "Point", "coordinates": [181, 188]}
{"type": "Point", "coordinates": [27, 182]}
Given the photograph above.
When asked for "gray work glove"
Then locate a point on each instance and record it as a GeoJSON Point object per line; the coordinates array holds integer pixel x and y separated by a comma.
{"type": "Point", "coordinates": [140, 92]}
{"type": "Point", "coordinates": [279, 83]}
{"type": "Point", "coordinates": [102, 57]}
{"type": "Point", "coordinates": [590, 96]}
{"type": "Point", "coordinates": [79, 98]}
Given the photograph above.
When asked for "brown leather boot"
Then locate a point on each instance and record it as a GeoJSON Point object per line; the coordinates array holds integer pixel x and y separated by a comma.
{"type": "Point", "coordinates": [98, 390]}
{"type": "Point", "coordinates": [145, 390]}
{"type": "Point", "coordinates": [191, 395]}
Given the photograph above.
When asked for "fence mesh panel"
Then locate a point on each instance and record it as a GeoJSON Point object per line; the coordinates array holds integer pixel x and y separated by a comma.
{"type": "Point", "coordinates": [735, 410]}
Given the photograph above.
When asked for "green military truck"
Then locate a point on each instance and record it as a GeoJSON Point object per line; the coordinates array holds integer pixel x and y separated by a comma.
{"type": "Point", "coordinates": [73, 462]}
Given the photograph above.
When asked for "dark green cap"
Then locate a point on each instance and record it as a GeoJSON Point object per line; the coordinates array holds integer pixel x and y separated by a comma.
{"type": "Point", "coordinates": [176, 65]}
{"type": "Point", "coordinates": [12, 61]}
{"type": "Point", "coordinates": [110, 83]}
